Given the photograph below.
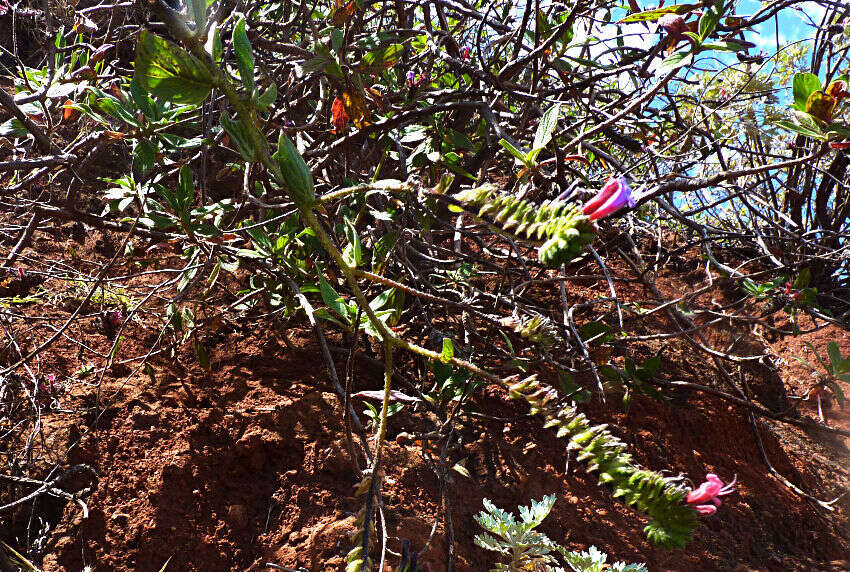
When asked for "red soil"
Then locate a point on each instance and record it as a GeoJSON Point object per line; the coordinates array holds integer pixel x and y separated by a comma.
{"type": "Point", "coordinates": [247, 464]}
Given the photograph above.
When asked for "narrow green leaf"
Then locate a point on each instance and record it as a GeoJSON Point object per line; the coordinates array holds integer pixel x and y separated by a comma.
{"type": "Point", "coordinates": [238, 132]}
{"type": "Point", "coordinates": [353, 251]}
{"type": "Point", "coordinates": [514, 151]}
{"type": "Point", "coordinates": [198, 9]}
{"type": "Point", "coordinates": [268, 97]}
{"type": "Point", "coordinates": [790, 126]}
{"type": "Point", "coordinates": [333, 300]}
{"type": "Point", "coordinates": [244, 54]}
{"type": "Point", "coordinates": [297, 177]}
{"type": "Point", "coordinates": [834, 354]}
{"type": "Point", "coordinates": [547, 126]}
{"type": "Point", "coordinates": [185, 189]}
{"type": "Point", "coordinates": [652, 15]}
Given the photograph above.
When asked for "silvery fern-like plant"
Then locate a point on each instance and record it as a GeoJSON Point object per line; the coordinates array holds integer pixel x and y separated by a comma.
{"type": "Point", "coordinates": [529, 550]}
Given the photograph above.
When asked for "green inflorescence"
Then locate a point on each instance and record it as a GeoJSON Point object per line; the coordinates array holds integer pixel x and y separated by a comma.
{"type": "Point", "coordinates": [562, 227]}
{"type": "Point", "coordinates": [671, 519]}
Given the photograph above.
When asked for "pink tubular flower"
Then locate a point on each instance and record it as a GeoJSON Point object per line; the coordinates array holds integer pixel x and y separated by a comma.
{"type": "Point", "coordinates": [614, 195]}
{"type": "Point", "coordinates": [466, 53]}
{"type": "Point", "coordinates": [709, 491]}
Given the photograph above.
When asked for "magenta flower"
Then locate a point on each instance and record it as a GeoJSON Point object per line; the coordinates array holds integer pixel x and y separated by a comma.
{"type": "Point", "coordinates": [466, 53]}
{"type": "Point", "coordinates": [614, 195]}
{"type": "Point", "coordinates": [709, 491]}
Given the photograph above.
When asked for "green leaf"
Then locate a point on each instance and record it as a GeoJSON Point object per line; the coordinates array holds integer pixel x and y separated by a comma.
{"type": "Point", "coordinates": [112, 107]}
{"type": "Point", "coordinates": [13, 128]}
{"type": "Point", "coordinates": [803, 279]}
{"type": "Point", "coordinates": [724, 46]}
{"type": "Point", "coordinates": [268, 97]}
{"type": "Point", "coordinates": [805, 84]}
{"type": "Point", "coordinates": [202, 355]}
{"type": "Point", "coordinates": [381, 250]}
{"type": "Point", "coordinates": [675, 61]}
{"type": "Point", "coordinates": [244, 54]}
{"type": "Point", "coordinates": [324, 62]}
{"type": "Point", "coordinates": [790, 126]}
{"type": "Point", "coordinates": [608, 372]}
{"type": "Point", "coordinates": [650, 367]}
{"type": "Point", "coordinates": [353, 251]}
{"type": "Point", "coordinates": [834, 354]}
{"type": "Point", "coordinates": [213, 45]}
{"type": "Point", "coordinates": [652, 15]}
{"type": "Point", "coordinates": [817, 355]}
{"type": "Point", "coordinates": [514, 151]}
{"type": "Point", "coordinates": [261, 239]}
{"type": "Point", "coordinates": [145, 104]}
{"type": "Point", "coordinates": [198, 9]}
{"type": "Point", "coordinates": [238, 132]}
{"type": "Point", "coordinates": [170, 72]}
{"type": "Point", "coordinates": [297, 177]}
{"type": "Point", "coordinates": [545, 129]}
{"type": "Point", "coordinates": [333, 300]}
{"type": "Point", "coordinates": [144, 158]}
{"type": "Point", "coordinates": [631, 370]}
{"type": "Point", "coordinates": [379, 60]}
{"type": "Point", "coordinates": [708, 21]}
{"type": "Point", "coordinates": [448, 351]}
{"type": "Point", "coordinates": [185, 189]}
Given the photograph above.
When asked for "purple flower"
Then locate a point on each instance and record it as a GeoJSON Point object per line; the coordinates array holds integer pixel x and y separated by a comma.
{"type": "Point", "coordinates": [614, 195]}
{"type": "Point", "coordinates": [411, 76]}
{"type": "Point", "coordinates": [466, 53]}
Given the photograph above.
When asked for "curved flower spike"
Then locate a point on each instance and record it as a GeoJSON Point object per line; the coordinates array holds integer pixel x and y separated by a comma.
{"type": "Point", "coordinates": [614, 195]}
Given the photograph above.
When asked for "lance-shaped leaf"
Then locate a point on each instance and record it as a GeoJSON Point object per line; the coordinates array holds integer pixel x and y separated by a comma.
{"type": "Point", "coordinates": [170, 72]}
{"type": "Point", "coordinates": [296, 174]}
{"type": "Point", "coordinates": [545, 130]}
{"type": "Point", "coordinates": [198, 9]}
{"type": "Point", "coordinates": [652, 15]}
{"type": "Point", "coordinates": [238, 132]}
{"type": "Point", "coordinates": [244, 55]}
